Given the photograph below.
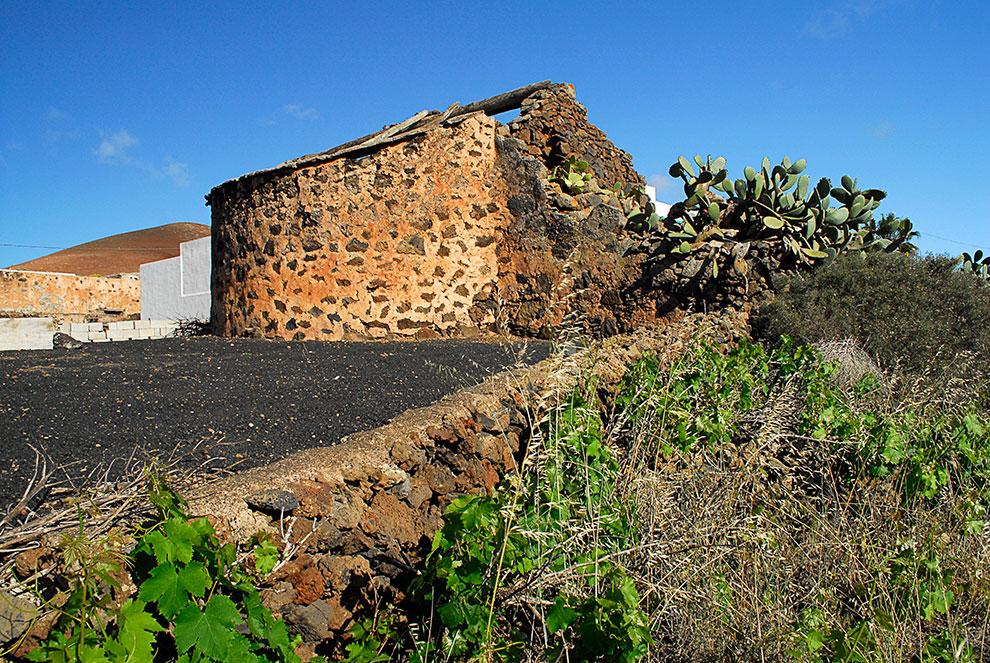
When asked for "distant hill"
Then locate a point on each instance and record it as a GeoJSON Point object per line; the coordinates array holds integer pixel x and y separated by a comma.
{"type": "Point", "coordinates": [119, 254]}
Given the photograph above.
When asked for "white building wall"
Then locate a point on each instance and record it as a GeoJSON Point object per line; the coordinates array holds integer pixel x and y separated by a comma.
{"type": "Point", "coordinates": [196, 267]}
{"type": "Point", "coordinates": [662, 208]}
{"type": "Point", "coordinates": [178, 288]}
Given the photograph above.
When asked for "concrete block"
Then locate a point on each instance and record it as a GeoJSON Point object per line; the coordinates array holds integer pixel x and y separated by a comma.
{"type": "Point", "coordinates": [124, 324]}
{"type": "Point", "coordinates": [100, 340]}
{"type": "Point", "coordinates": [65, 327]}
{"type": "Point", "coordinates": [79, 326]}
{"type": "Point", "coordinates": [26, 333]}
{"type": "Point", "coordinates": [144, 333]}
{"type": "Point", "coordinates": [95, 326]}
{"type": "Point", "coordinates": [143, 324]}
{"type": "Point", "coordinates": [121, 334]}
{"type": "Point", "coordinates": [97, 336]}
{"type": "Point", "coordinates": [81, 336]}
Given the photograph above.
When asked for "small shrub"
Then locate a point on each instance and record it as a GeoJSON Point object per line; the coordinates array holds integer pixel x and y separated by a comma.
{"type": "Point", "coordinates": [918, 314]}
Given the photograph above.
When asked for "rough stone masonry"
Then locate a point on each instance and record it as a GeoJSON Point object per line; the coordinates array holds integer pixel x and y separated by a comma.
{"type": "Point", "coordinates": [68, 297]}
{"type": "Point", "coordinates": [449, 229]}
{"type": "Point", "coordinates": [361, 515]}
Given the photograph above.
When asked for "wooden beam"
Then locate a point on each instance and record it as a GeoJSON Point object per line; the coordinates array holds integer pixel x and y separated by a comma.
{"type": "Point", "coordinates": [506, 101]}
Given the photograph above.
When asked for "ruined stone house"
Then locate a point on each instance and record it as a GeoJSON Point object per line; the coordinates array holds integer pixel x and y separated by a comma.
{"type": "Point", "coordinates": [445, 224]}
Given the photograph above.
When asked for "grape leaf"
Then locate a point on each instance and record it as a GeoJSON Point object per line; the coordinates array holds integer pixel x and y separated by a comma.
{"type": "Point", "coordinates": [90, 654]}
{"type": "Point", "coordinates": [162, 548]}
{"type": "Point", "coordinates": [265, 557]}
{"type": "Point", "coordinates": [560, 616]}
{"type": "Point", "coordinates": [182, 536]}
{"type": "Point", "coordinates": [211, 630]}
{"type": "Point", "coordinates": [195, 579]}
{"type": "Point", "coordinates": [257, 615]}
{"type": "Point", "coordinates": [136, 634]}
{"type": "Point", "coordinates": [170, 588]}
{"type": "Point", "coordinates": [240, 650]}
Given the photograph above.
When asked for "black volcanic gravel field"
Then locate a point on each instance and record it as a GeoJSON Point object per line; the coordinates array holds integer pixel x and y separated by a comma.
{"type": "Point", "coordinates": [261, 400]}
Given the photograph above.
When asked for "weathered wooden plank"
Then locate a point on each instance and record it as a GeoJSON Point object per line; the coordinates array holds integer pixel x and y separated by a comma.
{"type": "Point", "coordinates": [504, 102]}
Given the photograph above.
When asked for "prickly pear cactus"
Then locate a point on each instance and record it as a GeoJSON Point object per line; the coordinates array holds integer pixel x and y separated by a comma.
{"type": "Point", "coordinates": [728, 238]}
{"type": "Point", "coordinates": [977, 265]}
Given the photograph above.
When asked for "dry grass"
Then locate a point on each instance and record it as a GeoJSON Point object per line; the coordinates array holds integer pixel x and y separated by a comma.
{"type": "Point", "coordinates": [741, 542]}
{"type": "Point", "coordinates": [52, 504]}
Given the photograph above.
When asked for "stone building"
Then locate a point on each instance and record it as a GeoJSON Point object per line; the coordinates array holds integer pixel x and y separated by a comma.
{"type": "Point", "coordinates": [445, 224]}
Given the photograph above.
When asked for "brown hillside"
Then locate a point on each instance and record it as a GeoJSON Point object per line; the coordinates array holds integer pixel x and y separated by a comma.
{"type": "Point", "coordinates": [119, 254]}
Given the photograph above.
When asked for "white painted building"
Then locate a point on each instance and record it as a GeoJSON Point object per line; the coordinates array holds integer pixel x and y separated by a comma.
{"type": "Point", "coordinates": [178, 288]}
{"type": "Point", "coordinates": [662, 208]}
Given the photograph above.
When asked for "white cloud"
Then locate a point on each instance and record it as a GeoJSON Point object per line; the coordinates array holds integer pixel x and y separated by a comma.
{"type": "Point", "coordinates": [836, 21]}
{"type": "Point", "coordinates": [295, 111]}
{"type": "Point", "coordinates": [59, 126]}
{"type": "Point", "coordinates": [177, 171]}
{"type": "Point", "coordinates": [56, 114]}
{"type": "Point", "coordinates": [114, 147]}
{"type": "Point", "coordinates": [301, 112]}
{"type": "Point", "coordinates": [668, 188]}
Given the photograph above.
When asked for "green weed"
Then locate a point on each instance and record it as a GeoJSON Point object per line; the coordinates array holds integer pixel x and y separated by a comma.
{"type": "Point", "coordinates": [194, 602]}
{"type": "Point", "coordinates": [537, 556]}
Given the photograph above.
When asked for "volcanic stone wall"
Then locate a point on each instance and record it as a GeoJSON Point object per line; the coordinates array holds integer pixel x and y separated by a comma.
{"type": "Point", "coordinates": [68, 297]}
{"type": "Point", "coordinates": [566, 260]}
{"type": "Point", "coordinates": [455, 230]}
{"type": "Point", "coordinates": [364, 512]}
{"type": "Point", "coordinates": [553, 126]}
{"type": "Point", "coordinates": [398, 243]}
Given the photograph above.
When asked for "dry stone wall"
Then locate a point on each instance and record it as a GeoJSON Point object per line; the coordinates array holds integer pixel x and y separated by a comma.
{"type": "Point", "coordinates": [566, 260]}
{"type": "Point", "coordinates": [68, 297]}
{"type": "Point", "coordinates": [554, 126]}
{"type": "Point", "coordinates": [362, 514]}
{"type": "Point", "coordinates": [455, 230]}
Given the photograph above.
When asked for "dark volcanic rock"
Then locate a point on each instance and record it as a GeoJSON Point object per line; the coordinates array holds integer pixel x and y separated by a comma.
{"type": "Point", "coordinates": [273, 501]}
{"type": "Point", "coordinates": [65, 342]}
{"type": "Point", "coordinates": [16, 615]}
{"type": "Point", "coordinates": [311, 621]}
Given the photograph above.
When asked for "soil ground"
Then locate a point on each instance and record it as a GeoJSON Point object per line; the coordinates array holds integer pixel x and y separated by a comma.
{"type": "Point", "coordinates": [251, 401]}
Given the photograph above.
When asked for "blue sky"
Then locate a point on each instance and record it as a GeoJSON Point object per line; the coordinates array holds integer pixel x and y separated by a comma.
{"type": "Point", "coordinates": [119, 116]}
